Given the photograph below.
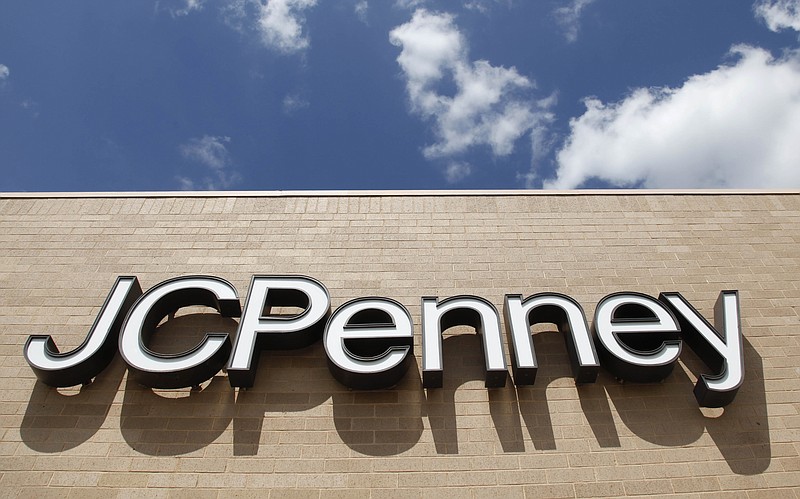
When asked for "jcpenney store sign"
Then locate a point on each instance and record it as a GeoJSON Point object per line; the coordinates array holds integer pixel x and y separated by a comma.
{"type": "Point", "coordinates": [369, 341]}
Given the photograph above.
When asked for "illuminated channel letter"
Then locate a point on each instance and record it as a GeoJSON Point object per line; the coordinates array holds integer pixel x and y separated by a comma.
{"type": "Point", "coordinates": [368, 341]}
{"type": "Point", "coordinates": [570, 319]}
{"type": "Point", "coordinates": [461, 311]}
{"type": "Point", "coordinates": [258, 331]}
{"type": "Point", "coordinates": [651, 343]}
{"type": "Point", "coordinates": [721, 352]}
{"type": "Point", "coordinates": [96, 352]}
{"type": "Point", "coordinates": [189, 368]}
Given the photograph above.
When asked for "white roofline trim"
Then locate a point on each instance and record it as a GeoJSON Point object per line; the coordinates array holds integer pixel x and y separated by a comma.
{"type": "Point", "coordinates": [397, 193]}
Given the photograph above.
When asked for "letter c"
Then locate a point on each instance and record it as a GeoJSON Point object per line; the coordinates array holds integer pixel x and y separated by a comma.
{"type": "Point", "coordinates": [185, 369]}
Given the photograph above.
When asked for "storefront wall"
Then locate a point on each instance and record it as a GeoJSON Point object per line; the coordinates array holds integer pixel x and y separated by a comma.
{"type": "Point", "coordinates": [299, 431]}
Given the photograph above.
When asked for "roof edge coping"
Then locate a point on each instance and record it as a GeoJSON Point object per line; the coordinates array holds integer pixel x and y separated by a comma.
{"type": "Point", "coordinates": [396, 193]}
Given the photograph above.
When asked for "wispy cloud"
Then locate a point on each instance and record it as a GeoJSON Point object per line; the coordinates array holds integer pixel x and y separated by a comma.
{"type": "Point", "coordinates": [779, 14]}
{"type": "Point", "coordinates": [212, 153]}
{"type": "Point", "coordinates": [280, 23]}
{"type": "Point", "coordinates": [361, 7]}
{"type": "Point", "coordinates": [735, 126]}
{"type": "Point", "coordinates": [543, 141]}
{"type": "Point", "coordinates": [487, 107]}
{"type": "Point", "coordinates": [189, 6]}
{"type": "Point", "coordinates": [409, 4]}
{"type": "Point", "coordinates": [31, 106]}
{"type": "Point", "coordinates": [293, 103]}
{"type": "Point", "coordinates": [485, 6]}
{"type": "Point", "coordinates": [457, 171]}
{"type": "Point", "coordinates": [180, 8]}
{"type": "Point", "coordinates": [476, 5]}
{"type": "Point", "coordinates": [5, 73]}
{"type": "Point", "coordinates": [569, 18]}
{"type": "Point", "coordinates": [209, 151]}
{"type": "Point", "coordinates": [235, 13]}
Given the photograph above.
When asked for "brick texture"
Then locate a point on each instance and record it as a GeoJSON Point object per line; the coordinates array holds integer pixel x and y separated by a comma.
{"type": "Point", "coordinates": [298, 433]}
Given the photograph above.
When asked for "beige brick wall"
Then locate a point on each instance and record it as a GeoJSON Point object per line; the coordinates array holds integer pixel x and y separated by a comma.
{"type": "Point", "coordinates": [298, 433]}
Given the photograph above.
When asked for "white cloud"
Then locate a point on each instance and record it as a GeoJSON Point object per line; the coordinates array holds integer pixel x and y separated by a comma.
{"type": "Point", "coordinates": [457, 171]}
{"type": "Point", "coordinates": [485, 6]}
{"type": "Point", "coordinates": [543, 140]}
{"type": "Point", "coordinates": [208, 150]}
{"type": "Point", "coordinates": [735, 126]}
{"type": "Point", "coordinates": [186, 184]}
{"type": "Point", "coordinates": [409, 4]}
{"type": "Point", "coordinates": [211, 152]}
{"type": "Point", "coordinates": [485, 108]}
{"type": "Point", "coordinates": [189, 6]}
{"type": "Point", "coordinates": [779, 14]}
{"type": "Point", "coordinates": [360, 9]}
{"type": "Point", "coordinates": [293, 103]}
{"type": "Point", "coordinates": [31, 106]}
{"type": "Point", "coordinates": [4, 72]}
{"type": "Point", "coordinates": [568, 17]}
{"type": "Point", "coordinates": [280, 23]}
{"type": "Point", "coordinates": [234, 13]}
{"type": "Point", "coordinates": [476, 5]}
{"type": "Point", "coordinates": [180, 8]}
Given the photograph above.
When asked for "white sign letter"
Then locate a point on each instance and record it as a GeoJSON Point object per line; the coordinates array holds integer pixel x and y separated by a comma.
{"type": "Point", "coordinates": [651, 347]}
{"type": "Point", "coordinates": [257, 331]}
{"type": "Point", "coordinates": [381, 336]}
{"type": "Point", "coordinates": [570, 319]}
{"type": "Point", "coordinates": [79, 366]}
{"type": "Point", "coordinates": [720, 352]}
{"type": "Point", "coordinates": [197, 364]}
{"type": "Point", "coordinates": [461, 311]}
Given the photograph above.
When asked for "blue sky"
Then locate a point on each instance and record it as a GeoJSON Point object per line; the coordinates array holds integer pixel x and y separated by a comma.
{"type": "Point", "coordinates": [111, 95]}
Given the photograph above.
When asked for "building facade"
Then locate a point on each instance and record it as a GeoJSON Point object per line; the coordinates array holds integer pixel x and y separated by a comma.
{"type": "Point", "coordinates": [299, 432]}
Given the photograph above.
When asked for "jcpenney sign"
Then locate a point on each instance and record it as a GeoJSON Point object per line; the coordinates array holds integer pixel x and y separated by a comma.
{"type": "Point", "coordinates": [369, 341]}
